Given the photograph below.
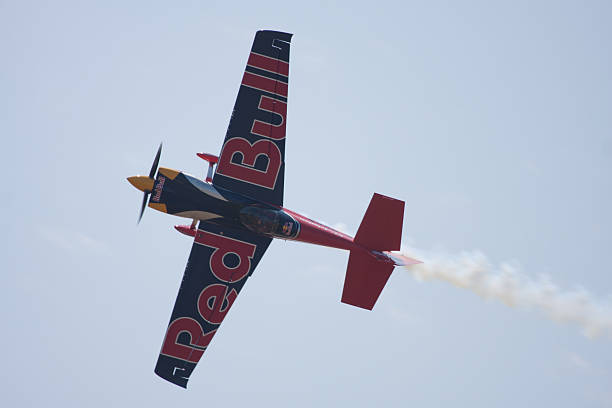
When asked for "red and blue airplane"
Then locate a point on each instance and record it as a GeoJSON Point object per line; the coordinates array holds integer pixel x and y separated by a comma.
{"type": "Point", "coordinates": [238, 210]}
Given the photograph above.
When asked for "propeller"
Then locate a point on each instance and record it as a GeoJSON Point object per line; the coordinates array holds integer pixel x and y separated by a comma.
{"type": "Point", "coordinates": [151, 175]}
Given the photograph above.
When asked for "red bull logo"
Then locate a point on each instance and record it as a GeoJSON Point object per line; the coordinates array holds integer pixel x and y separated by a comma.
{"type": "Point", "coordinates": [158, 188]}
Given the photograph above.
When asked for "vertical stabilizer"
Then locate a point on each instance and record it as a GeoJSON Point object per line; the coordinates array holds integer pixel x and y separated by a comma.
{"type": "Point", "coordinates": [381, 227]}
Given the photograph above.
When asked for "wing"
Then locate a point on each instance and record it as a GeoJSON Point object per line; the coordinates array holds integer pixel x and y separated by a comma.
{"type": "Point", "coordinates": [221, 260]}
{"type": "Point", "coordinates": [252, 160]}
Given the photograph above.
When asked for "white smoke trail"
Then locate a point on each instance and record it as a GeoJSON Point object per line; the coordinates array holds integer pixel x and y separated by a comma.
{"type": "Point", "coordinates": [474, 272]}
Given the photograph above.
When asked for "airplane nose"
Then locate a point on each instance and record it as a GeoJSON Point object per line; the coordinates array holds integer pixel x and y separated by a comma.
{"type": "Point", "coordinates": [143, 183]}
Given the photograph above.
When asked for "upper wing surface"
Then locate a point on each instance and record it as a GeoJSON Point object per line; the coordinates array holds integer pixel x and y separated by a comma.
{"type": "Point", "coordinates": [252, 160]}
{"type": "Point", "coordinates": [221, 260]}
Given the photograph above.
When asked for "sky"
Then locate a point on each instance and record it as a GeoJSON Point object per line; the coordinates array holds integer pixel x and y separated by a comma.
{"type": "Point", "coordinates": [491, 120]}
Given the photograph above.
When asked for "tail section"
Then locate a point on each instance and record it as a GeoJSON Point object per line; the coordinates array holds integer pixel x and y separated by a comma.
{"type": "Point", "coordinates": [369, 268]}
{"type": "Point", "coordinates": [381, 227]}
{"type": "Point", "coordinates": [365, 278]}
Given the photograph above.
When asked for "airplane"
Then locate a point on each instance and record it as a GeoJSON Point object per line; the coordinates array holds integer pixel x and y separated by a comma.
{"type": "Point", "coordinates": [238, 210]}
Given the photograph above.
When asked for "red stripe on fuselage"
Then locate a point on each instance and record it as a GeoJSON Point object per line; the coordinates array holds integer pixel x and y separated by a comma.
{"type": "Point", "coordinates": [268, 64]}
{"type": "Point", "coordinates": [265, 84]}
{"type": "Point", "coordinates": [319, 234]}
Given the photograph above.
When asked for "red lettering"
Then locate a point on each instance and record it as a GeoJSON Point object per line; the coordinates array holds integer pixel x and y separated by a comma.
{"type": "Point", "coordinates": [227, 246]}
{"type": "Point", "coordinates": [265, 84]}
{"type": "Point", "coordinates": [245, 171]}
{"type": "Point", "coordinates": [276, 132]}
{"type": "Point", "coordinates": [214, 302]}
{"type": "Point", "coordinates": [268, 64]}
{"type": "Point", "coordinates": [197, 343]}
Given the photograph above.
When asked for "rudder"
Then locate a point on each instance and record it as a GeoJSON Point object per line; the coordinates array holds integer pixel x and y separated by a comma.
{"type": "Point", "coordinates": [380, 230]}
{"type": "Point", "coordinates": [381, 227]}
{"type": "Point", "coordinates": [365, 279]}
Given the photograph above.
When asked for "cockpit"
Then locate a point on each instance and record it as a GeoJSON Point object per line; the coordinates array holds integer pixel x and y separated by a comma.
{"type": "Point", "coordinates": [269, 222]}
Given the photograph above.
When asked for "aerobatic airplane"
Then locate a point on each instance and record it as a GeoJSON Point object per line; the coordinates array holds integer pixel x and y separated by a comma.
{"type": "Point", "coordinates": [238, 210]}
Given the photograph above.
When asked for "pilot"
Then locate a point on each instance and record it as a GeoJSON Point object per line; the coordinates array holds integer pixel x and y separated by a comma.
{"type": "Point", "coordinates": [287, 227]}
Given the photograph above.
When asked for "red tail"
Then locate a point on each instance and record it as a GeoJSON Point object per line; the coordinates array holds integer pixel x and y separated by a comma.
{"type": "Point", "coordinates": [368, 270]}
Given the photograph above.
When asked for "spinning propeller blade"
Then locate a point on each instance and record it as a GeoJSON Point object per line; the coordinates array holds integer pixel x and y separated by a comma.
{"type": "Point", "coordinates": [144, 183]}
{"type": "Point", "coordinates": [142, 207]}
{"type": "Point", "coordinates": [155, 162]}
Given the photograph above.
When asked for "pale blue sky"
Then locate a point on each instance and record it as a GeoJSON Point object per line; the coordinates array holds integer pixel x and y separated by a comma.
{"type": "Point", "coordinates": [490, 119]}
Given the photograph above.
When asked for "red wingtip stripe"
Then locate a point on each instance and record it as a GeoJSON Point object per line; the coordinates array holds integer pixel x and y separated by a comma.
{"type": "Point", "coordinates": [268, 64]}
{"type": "Point", "coordinates": [265, 84]}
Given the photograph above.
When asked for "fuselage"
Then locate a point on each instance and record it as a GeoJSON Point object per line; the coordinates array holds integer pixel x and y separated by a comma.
{"type": "Point", "coordinates": [183, 195]}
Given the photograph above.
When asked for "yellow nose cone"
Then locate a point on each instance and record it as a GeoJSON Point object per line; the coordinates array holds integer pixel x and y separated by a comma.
{"type": "Point", "coordinates": [143, 183]}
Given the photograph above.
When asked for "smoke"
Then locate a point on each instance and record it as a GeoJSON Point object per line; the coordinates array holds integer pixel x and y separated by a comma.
{"type": "Point", "coordinates": [507, 284]}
